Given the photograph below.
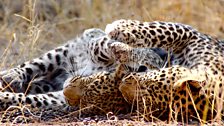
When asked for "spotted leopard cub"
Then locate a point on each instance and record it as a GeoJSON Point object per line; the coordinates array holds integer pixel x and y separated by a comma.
{"type": "Point", "coordinates": [39, 82]}
{"type": "Point", "coordinates": [99, 93]}
{"type": "Point", "coordinates": [80, 55]}
{"type": "Point", "coordinates": [191, 88]}
{"type": "Point", "coordinates": [96, 94]}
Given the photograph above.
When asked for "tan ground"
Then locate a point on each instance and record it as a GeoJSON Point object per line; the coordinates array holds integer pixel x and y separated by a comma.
{"type": "Point", "coordinates": [29, 28]}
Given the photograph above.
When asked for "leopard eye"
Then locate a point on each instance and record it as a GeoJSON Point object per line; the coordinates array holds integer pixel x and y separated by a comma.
{"type": "Point", "coordinates": [75, 79]}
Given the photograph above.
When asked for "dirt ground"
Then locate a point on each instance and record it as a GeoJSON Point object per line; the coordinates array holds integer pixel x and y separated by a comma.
{"type": "Point", "coordinates": [29, 28]}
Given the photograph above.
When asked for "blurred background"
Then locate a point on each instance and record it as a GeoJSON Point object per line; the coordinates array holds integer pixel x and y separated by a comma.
{"type": "Point", "coordinates": [29, 28]}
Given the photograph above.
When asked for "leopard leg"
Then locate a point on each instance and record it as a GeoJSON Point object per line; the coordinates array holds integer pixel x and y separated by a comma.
{"type": "Point", "coordinates": [165, 35]}
{"type": "Point", "coordinates": [58, 58]}
{"type": "Point", "coordinates": [19, 100]}
{"type": "Point", "coordinates": [69, 57]}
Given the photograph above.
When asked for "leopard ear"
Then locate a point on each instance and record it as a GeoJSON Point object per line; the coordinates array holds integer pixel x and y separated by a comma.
{"type": "Point", "coordinates": [195, 79]}
{"type": "Point", "coordinates": [121, 71]}
{"type": "Point", "coordinates": [194, 86]}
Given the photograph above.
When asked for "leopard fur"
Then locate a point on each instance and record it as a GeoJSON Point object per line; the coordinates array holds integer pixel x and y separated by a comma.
{"type": "Point", "coordinates": [39, 82]}
{"type": "Point", "coordinates": [193, 84]}
{"type": "Point", "coordinates": [99, 92]}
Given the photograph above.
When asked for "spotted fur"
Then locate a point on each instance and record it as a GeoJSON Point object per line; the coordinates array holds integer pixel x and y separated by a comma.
{"type": "Point", "coordinates": [84, 55]}
{"type": "Point", "coordinates": [40, 82]}
{"type": "Point", "coordinates": [191, 87]}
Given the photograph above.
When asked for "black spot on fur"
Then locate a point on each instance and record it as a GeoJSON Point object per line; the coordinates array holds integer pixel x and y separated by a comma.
{"type": "Point", "coordinates": [180, 31]}
{"type": "Point", "coordinates": [38, 104]}
{"type": "Point", "coordinates": [170, 39]}
{"type": "Point", "coordinates": [163, 27]}
{"type": "Point", "coordinates": [152, 26]}
{"type": "Point", "coordinates": [96, 50]}
{"type": "Point", "coordinates": [191, 107]}
{"type": "Point", "coordinates": [164, 87]}
{"type": "Point", "coordinates": [144, 32]}
{"type": "Point", "coordinates": [167, 33]}
{"type": "Point", "coordinates": [134, 31]}
{"type": "Point", "coordinates": [22, 65]}
{"type": "Point", "coordinates": [160, 98]}
{"type": "Point", "coordinates": [160, 83]}
{"type": "Point", "coordinates": [102, 42]}
{"type": "Point", "coordinates": [20, 95]}
{"type": "Point", "coordinates": [49, 55]}
{"type": "Point", "coordinates": [28, 100]}
{"type": "Point", "coordinates": [166, 98]}
{"type": "Point", "coordinates": [185, 36]}
{"type": "Point", "coordinates": [194, 37]}
{"type": "Point", "coordinates": [65, 53]}
{"type": "Point", "coordinates": [178, 104]}
{"type": "Point", "coordinates": [53, 102]}
{"type": "Point", "coordinates": [58, 50]}
{"type": "Point", "coordinates": [20, 100]}
{"type": "Point", "coordinates": [161, 37]}
{"type": "Point", "coordinates": [23, 75]}
{"type": "Point", "coordinates": [46, 88]}
{"type": "Point", "coordinates": [199, 52]}
{"type": "Point", "coordinates": [183, 100]}
{"type": "Point", "coordinates": [42, 67]}
{"type": "Point", "coordinates": [142, 68]}
{"type": "Point", "coordinates": [29, 70]}
{"type": "Point", "coordinates": [174, 35]}
{"type": "Point", "coordinates": [38, 90]}
{"type": "Point", "coordinates": [58, 59]}
{"type": "Point", "coordinates": [45, 102]}
{"type": "Point", "coordinates": [171, 28]}
{"type": "Point", "coordinates": [176, 98]}
{"type": "Point", "coordinates": [154, 40]}
{"type": "Point", "coordinates": [104, 87]}
{"type": "Point", "coordinates": [186, 29]}
{"type": "Point", "coordinates": [159, 30]}
{"type": "Point", "coordinates": [99, 87]}
{"type": "Point", "coordinates": [50, 67]}
{"type": "Point", "coordinates": [50, 95]}
{"type": "Point", "coordinates": [152, 32]}
{"type": "Point", "coordinates": [162, 75]}
{"type": "Point", "coordinates": [35, 99]}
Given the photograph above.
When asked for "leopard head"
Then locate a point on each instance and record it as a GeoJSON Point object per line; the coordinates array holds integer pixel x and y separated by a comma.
{"type": "Point", "coordinates": [73, 90]}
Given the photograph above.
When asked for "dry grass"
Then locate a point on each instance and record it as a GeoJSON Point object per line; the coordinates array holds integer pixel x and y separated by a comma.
{"type": "Point", "coordinates": [30, 28]}
{"type": "Point", "coordinates": [37, 26]}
